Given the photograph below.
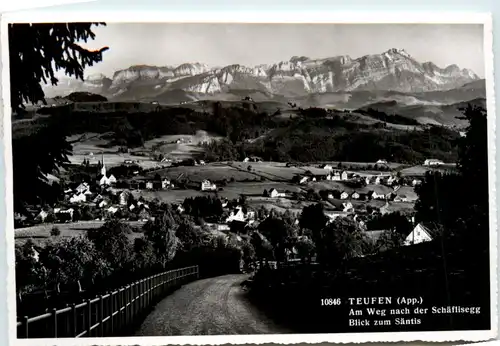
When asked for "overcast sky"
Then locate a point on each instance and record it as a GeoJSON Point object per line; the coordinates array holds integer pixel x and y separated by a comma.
{"type": "Point", "coordinates": [254, 44]}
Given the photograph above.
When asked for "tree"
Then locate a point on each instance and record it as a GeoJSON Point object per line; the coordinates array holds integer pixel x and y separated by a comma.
{"type": "Point", "coordinates": [281, 235]}
{"type": "Point", "coordinates": [42, 152]}
{"type": "Point", "coordinates": [305, 248]}
{"type": "Point", "coordinates": [262, 246]}
{"type": "Point", "coordinates": [313, 217]}
{"type": "Point", "coordinates": [389, 239]}
{"type": "Point", "coordinates": [248, 253]}
{"type": "Point", "coordinates": [144, 256]}
{"type": "Point", "coordinates": [55, 231]}
{"type": "Point", "coordinates": [189, 236]}
{"type": "Point", "coordinates": [473, 166]}
{"type": "Point", "coordinates": [161, 233]}
{"type": "Point", "coordinates": [338, 242]}
{"type": "Point", "coordinates": [73, 259]}
{"type": "Point", "coordinates": [30, 273]}
{"type": "Point", "coordinates": [112, 242]}
{"type": "Point", "coordinates": [45, 47]}
{"type": "Point", "coordinates": [439, 199]}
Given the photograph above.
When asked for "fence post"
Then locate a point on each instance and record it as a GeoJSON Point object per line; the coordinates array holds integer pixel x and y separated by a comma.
{"type": "Point", "coordinates": [133, 301]}
{"type": "Point", "coordinates": [101, 315]}
{"type": "Point", "coordinates": [89, 318]}
{"type": "Point", "coordinates": [54, 317]}
{"type": "Point", "coordinates": [142, 293]}
{"type": "Point", "coordinates": [111, 312]}
{"type": "Point", "coordinates": [26, 326]}
{"type": "Point", "coordinates": [124, 301]}
{"type": "Point", "coordinates": [75, 321]}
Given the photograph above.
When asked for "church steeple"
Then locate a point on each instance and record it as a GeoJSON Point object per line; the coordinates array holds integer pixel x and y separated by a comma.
{"type": "Point", "coordinates": [103, 169]}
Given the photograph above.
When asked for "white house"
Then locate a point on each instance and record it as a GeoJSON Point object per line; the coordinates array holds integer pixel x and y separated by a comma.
{"type": "Point", "coordinates": [112, 179]}
{"type": "Point", "coordinates": [375, 195]}
{"type": "Point", "coordinates": [104, 181]}
{"type": "Point", "coordinates": [391, 180]}
{"type": "Point", "coordinates": [379, 179]}
{"type": "Point", "coordinates": [206, 185]}
{"type": "Point", "coordinates": [368, 180]}
{"type": "Point", "coordinates": [275, 193]}
{"type": "Point", "coordinates": [330, 196]}
{"type": "Point", "coordinates": [77, 198]}
{"type": "Point", "coordinates": [382, 162]}
{"type": "Point", "coordinates": [149, 185]}
{"type": "Point", "coordinates": [344, 176]}
{"type": "Point", "coordinates": [112, 210]}
{"type": "Point", "coordinates": [433, 162]}
{"type": "Point", "coordinates": [42, 216]}
{"type": "Point", "coordinates": [65, 211]}
{"type": "Point", "coordinates": [165, 183]}
{"type": "Point", "coordinates": [238, 215]}
{"type": "Point", "coordinates": [335, 176]}
{"type": "Point", "coordinates": [103, 203]}
{"type": "Point", "coordinates": [131, 207]}
{"type": "Point", "coordinates": [400, 198]}
{"type": "Point", "coordinates": [304, 180]}
{"type": "Point", "coordinates": [328, 167]}
{"type": "Point", "coordinates": [82, 188]}
{"type": "Point", "coordinates": [420, 234]}
{"type": "Point", "coordinates": [355, 195]}
{"type": "Point", "coordinates": [348, 207]}
{"type": "Point", "coordinates": [124, 195]}
{"type": "Point", "coordinates": [416, 182]}
{"type": "Point", "coordinates": [332, 216]}
{"type": "Point", "coordinates": [344, 195]}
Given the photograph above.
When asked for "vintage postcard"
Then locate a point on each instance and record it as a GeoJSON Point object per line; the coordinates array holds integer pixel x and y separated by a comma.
{"type": "Point", "coordinates": [312, 178]}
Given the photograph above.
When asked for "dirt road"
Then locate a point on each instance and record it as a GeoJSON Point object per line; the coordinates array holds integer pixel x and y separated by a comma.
{"type": "Point", "coordinates": [212, 306]}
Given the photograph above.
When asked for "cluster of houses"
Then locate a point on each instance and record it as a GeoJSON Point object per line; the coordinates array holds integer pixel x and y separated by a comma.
{"type": "Point", "coordinates": [108, 203]}
{"type": "Point", "coordinates": [388, 179]}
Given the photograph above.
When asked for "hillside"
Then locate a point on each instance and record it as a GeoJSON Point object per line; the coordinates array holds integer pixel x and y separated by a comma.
{"type": "Point", "coordinates": [437, 114]}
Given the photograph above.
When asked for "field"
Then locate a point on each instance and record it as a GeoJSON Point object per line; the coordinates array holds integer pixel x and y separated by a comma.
{"type": "Point", "coordinates": [212, 172]}
{"type": "Point", "coordinates": [230, 191]}
{"type": "Point", "coordinates": [168, 196]}
{"type": "Point", "coordinates": [41, 233]}
{"type": "Point", "coordinates": [420, 170]}
{"type": "Point", "coordinates": [94, 146]}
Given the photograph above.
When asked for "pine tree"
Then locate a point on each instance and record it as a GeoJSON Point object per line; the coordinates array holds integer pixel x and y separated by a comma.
{"type": "Point", "coordinates": [38, 50]}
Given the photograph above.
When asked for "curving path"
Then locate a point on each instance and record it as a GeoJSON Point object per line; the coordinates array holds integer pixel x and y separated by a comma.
{"type": "Point", "coordinates": [212, 306]}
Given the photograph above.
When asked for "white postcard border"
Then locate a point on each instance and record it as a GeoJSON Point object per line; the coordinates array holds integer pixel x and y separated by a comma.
{"type": "Point", "coordinates": [256, 17]}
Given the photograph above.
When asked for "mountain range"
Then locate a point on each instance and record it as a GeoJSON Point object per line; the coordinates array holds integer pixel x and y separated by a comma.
{"type": "Point", "coordinates": [394, 70]}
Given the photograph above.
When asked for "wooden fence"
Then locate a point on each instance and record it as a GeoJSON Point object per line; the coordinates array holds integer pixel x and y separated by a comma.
{"type": "Point", "coordinates": [109, 314]}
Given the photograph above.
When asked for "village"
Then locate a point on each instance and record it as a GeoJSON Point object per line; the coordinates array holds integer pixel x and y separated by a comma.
{"type": "Point", "coordinates": [357, 194]}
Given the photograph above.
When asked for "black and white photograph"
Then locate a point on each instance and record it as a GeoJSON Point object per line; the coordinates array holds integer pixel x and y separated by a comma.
{"type": "Point", "coordinates": [249, 178]}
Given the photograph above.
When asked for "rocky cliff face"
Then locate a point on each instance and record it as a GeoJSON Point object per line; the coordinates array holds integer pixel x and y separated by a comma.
{"type": "Point", "coordinates": [392, 70]}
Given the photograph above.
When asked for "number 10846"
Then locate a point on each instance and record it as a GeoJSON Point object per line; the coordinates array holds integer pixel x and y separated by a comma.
{"type": "Point", "coordinates": [330, 301]}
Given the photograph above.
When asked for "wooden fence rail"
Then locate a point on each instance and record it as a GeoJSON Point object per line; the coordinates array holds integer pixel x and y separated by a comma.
{"type": "Point", "coordinates": [106, 315]}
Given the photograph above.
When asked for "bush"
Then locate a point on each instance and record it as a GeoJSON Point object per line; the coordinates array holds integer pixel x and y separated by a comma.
{"type": "Point", "coordinates": [55, 231]}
